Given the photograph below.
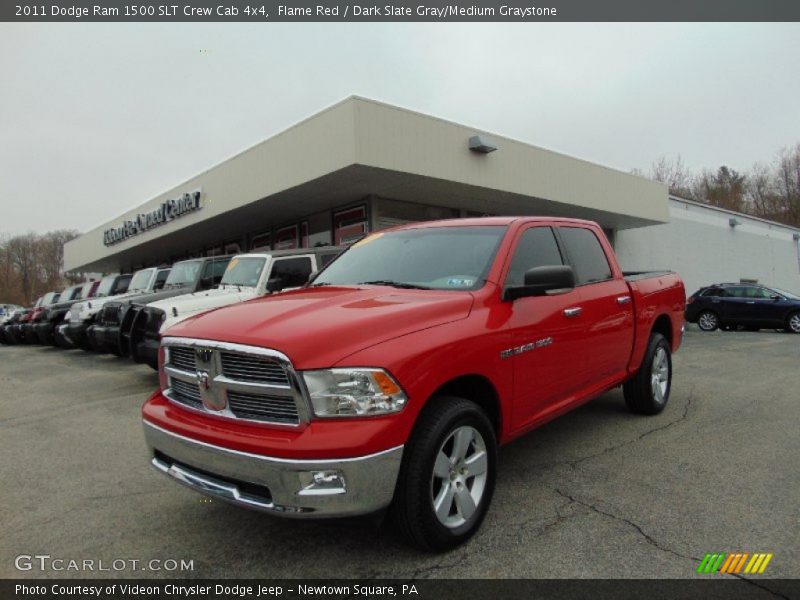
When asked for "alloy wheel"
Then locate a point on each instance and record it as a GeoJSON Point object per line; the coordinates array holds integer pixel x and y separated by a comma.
{"type": "Point", "coordinates": [459, 477]}
{"type": "Point", "coordinates": [707, 321]}
{"type": "Point", "coordinates": [659, 375]}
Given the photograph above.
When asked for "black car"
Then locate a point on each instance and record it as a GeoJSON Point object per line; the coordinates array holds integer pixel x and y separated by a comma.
{"type": "Point", "coordinates": [730, 305]}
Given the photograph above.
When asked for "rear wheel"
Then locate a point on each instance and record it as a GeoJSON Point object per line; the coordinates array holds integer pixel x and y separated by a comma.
{"type": "Point", "coordinates": [793, 322]}
{"type": "Point", "coordinates": [447, 477]}
{"type": "Point", "coordinates": [647, 392]}
{"type": "Point", "coordinates": [708, 320]}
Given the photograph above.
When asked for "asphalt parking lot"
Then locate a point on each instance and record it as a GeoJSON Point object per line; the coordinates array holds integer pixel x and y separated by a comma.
{"type": "Point", "coordinates": [596, 493]}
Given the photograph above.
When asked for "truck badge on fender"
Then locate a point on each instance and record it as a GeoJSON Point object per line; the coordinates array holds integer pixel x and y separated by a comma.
{"type": "Point", "coordinates": [526, 347]}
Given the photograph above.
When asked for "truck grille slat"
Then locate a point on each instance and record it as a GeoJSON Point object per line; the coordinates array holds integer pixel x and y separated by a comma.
{"type": "Point", "coordinates": [182, 358]}
{"type": "Point", "coordinates": [238, 366]}
{"type": "Point", "coordinates": [204, 376]}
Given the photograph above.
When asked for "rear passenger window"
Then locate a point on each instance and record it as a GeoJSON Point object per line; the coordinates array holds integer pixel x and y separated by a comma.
{"type": "Point", "coordinates": [586, 255]}
{"type": "Point", "coordinates": [537, 247]}
{"type": "Point", "coordinates": [714, 292]}
{"type": "Point", "coordinates": [293, 272]}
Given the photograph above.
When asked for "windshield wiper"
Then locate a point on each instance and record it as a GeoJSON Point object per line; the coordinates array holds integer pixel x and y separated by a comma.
{"type": "Point", "coordinates": [397, 284]}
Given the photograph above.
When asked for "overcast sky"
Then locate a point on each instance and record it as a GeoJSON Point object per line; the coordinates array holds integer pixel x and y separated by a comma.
{"type": "Point", "coordinates": [98, 118]}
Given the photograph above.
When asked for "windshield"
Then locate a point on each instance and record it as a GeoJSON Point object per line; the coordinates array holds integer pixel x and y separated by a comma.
{"type": "Point", "coordinates": [439, 258]}
{"type": "Point", "coordinates": [140, 280]}
{"type": "Point", "coordinates": [243, 271]}
{"type": "Point", "coordinates": [105, 286]}
{"type": "Point", "coordinates": [787, 294]}
{"type": "Point", "coordinates": [184, 272]}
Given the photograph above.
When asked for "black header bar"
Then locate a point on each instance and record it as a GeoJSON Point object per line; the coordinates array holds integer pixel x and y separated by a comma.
{"type": "Point", "coordinates": [510, 11]}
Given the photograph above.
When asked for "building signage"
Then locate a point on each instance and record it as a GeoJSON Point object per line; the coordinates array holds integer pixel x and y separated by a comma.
{"type": "Point", "coordinates": [169, 210]}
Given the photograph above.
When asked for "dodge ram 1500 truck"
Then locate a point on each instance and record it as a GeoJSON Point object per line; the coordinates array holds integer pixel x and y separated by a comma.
{"type": "Point", "coordinates": [247, 276]}
{"type": "Point", "coordinates": [390, 380]}
{"type": "Point", "coordinates": [113, 324]}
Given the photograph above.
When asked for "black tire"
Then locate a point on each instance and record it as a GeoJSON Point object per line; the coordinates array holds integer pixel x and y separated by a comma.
{"type": "Point", "coordinates": [640, 391]}
{"type": "Point", "coordinates": [793, 322]}
{"type": "Point", "coordinates": [438, 426]}
{"type": "Point", "coordinates": [708, 320]}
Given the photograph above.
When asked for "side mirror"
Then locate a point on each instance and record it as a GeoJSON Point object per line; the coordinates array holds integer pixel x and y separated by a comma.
{"type": "Point", "coordinates": [275, 284]}
{"type": "Point", "coordinates": [543, 281]}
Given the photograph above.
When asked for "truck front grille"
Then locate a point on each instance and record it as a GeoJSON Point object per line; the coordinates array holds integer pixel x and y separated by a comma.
{"type": "Point", "coordinates": [234, 381]}
{"type": "Point", "coordinates": [278, 409]}
{"type": "Point", "coordinates": [247, 368]}
{"type": "Point", "coordinates": [186, 393]}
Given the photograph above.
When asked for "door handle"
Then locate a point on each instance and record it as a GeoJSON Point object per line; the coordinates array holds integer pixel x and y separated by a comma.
{"type": "Point", "coordinates": [751, 301]}
{"type": "Point", "coordinates": [573, 312]}
{"type": "Point", "coordinates": [622, 300]}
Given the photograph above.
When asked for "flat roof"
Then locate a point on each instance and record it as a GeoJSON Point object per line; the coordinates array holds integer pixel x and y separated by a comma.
{"type": "Point", "coordinates": [360, 147]}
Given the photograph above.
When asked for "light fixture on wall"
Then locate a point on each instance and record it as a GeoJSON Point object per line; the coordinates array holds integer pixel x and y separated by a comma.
{"type": "Point", "coordinates": [481, 145]}
{"type": "Point", "coordinates": [733, 222]}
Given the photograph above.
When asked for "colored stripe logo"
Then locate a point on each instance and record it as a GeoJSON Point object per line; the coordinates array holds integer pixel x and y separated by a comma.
{"type": "Point", "coordinates": [735, 562]}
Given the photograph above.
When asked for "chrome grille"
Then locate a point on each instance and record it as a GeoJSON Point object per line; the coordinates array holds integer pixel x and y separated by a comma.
{"type": "Point", "coordinates": [248, 368]}
{"type": "Point", "coordinates": [261, 407]}
{"type": "Point", "coordinates": [182, 358]}
{"type": "Point", "coordinates": [234, 381]}
{"type": "Point", "coordinates": [186, 393]}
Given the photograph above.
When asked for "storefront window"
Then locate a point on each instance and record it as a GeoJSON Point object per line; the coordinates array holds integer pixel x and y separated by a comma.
{"type": "Point", "coordinates": [350, 225]}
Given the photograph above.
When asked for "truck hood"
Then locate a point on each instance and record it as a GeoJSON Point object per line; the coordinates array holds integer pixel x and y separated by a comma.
{"type": "Point", "coordinates": [149, 297]}
{"type": "Point", "coordinates": [317, 327]}
{"type": "Point", "coordinates": [205, 300]}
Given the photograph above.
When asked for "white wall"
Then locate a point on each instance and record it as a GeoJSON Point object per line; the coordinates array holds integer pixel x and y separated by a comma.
{"type": "Point", "coordinates": [703, 248]}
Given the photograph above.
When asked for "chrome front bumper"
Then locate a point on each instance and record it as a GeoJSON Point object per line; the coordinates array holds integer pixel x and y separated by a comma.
{"type": "Point", "coordinates": [290, 488]}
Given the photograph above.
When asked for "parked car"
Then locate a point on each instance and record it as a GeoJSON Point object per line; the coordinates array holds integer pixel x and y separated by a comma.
{"type": "Point", "coordinates": [247, 276]}
{"type": "Point", "coordinates": [25, 332]}
{"type": "Point", "coordinates": [6, 310]}
{"type": "Point", "coordinates": [391, 379]}
{"type": "Point", "coordinates": [113, 324]}
{"type": "Point", "coordinates": [54, 315]}
{"type": "Point", "coordinates": [39, 320]}
{"type": "Point", "coordinates": [731, 305]}
{"type": "Point", "coordinates": [11, 320]}
{"type": "Point", "coordinates": [82, 314]}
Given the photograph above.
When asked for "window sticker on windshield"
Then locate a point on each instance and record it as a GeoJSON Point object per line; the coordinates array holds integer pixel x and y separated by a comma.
{"type": "Point", "coordinates": [460, 282]}
{"type": "Point", "coordinates": [232, 264]}
{"type": "Point", "coordinates": [367, 240]}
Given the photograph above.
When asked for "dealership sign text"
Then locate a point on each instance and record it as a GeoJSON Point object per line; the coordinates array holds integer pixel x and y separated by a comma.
{"type": "Point", "coordinates": [171, 209]}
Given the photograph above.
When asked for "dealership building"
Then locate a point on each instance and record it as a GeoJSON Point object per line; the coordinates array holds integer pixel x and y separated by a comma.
{"type": "Point", "coordinates": [361, 166]}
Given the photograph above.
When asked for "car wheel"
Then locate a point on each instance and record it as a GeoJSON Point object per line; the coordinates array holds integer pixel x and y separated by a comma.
{"type": "Point", "coordinates": [793, 322]}
{"type": "Point", "coordinates": [708, 320]}
{"type": "Point", "coordinates": [447, 477]}
{"type": "Point", "coordinates": [647, 392]}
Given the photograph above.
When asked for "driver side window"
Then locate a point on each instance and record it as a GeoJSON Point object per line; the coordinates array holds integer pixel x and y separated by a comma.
{"type": "Point", "coordinates": [537, 247]}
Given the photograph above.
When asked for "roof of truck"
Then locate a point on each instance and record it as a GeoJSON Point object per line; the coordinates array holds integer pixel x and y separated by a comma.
{"type": "Point", "coordinates": [477, 221]}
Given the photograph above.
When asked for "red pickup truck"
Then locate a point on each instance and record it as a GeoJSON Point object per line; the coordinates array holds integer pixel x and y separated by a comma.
{"type": "Point", "coordinates": [391, 378]}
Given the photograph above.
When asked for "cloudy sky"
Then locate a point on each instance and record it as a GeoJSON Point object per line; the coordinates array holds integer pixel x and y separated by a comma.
{"type": "Point", "coordinates": [98, 118]}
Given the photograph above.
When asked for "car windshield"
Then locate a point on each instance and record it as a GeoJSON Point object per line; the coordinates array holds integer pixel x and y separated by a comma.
{"type": "Point", "coordinates": [243, 271]}
{"type": "Point", "coordinates": [184, 272]}
{"type": "Point", "coordinates": [787, 294]}
{"type": "Point", "coordinates": [438, 258]}
{"type": "Point", "coordinates": [105, 286]}
{"type": "Point", "coordinates": [140, 280]}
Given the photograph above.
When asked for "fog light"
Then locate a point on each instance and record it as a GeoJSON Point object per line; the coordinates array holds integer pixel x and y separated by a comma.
{"type": "Point", "coordinates": [322, 483]}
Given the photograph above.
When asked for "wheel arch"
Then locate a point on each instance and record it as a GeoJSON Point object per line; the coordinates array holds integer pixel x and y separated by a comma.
{"type": "Point", "coordinates": [478, 389]}
{"type": "Point", "coordinates": [663, 325]}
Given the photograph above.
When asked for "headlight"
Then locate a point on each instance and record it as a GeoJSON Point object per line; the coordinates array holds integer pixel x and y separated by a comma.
{"type": "Point", "coordinates": [353, 392]}
{"type": "Point", "coordinates": [163, 316]}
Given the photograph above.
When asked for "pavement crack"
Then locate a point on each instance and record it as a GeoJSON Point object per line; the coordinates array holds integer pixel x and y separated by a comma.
{"type": "Point", "coordinates": [647, 537]}
{"type": "Point", "coordinates": [684, 415]}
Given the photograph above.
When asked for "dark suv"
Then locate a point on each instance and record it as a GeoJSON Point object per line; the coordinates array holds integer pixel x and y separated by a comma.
{"type": "Point", "coordinates": [730, 305]}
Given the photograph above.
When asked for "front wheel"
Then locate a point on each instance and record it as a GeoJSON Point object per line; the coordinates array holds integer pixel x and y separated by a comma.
{"type": "Point", "coordinates": [647, 392]}
{"type": "Point", "coordinates": [793, 323]}
{"type": "Point", "coordinates": [708, 320]}
{"type": "Point", "coordinates": [448, 475]}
